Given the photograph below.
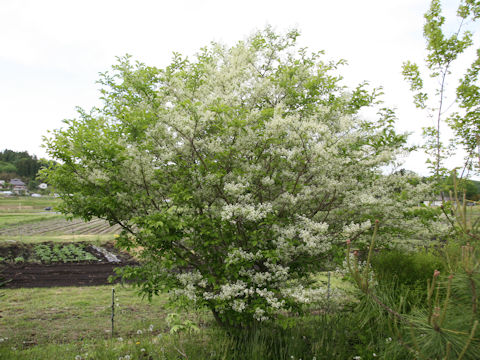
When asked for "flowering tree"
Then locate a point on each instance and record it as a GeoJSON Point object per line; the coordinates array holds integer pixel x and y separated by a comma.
{"type": "Point", "coordinates": [235, 173]}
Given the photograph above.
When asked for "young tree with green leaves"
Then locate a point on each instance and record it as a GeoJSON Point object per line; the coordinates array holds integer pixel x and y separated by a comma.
{"type": "Point", "coordinates": [237, 172]}
{"type": "Point", "coordinates": [442, 52]}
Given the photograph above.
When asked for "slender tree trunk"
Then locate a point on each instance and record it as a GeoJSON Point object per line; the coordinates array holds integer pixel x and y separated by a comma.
{"type": "Point", "coordinates": [217, 318]}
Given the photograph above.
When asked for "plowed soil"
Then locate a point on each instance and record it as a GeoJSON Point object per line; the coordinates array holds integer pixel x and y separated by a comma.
{"type": "Point", "coordinates": [87, 273]}
{"type": "Point", "coordinates": [39, 275]}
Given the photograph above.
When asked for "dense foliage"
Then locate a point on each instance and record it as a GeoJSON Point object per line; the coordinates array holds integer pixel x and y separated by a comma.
{"type": "Point", "coordinates": [21, 164]}
{"type": "Point", "coordinates": [237, 172]}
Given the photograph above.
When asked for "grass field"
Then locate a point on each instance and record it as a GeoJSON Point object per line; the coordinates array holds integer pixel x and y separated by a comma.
{"type": "Point", "coordinates": [43, 316]}
{"type": "Point", "coordinates": [75, 323]}
{"type": "Point", "coordinates": [93, 238]}
{"type": "Point", "coordinates": [25, 219]}
{"type": "Point", "coordinates": [40, 323]}
{"type": "Point", "coordinates": [7, 219]}
{"type": "Point", "coordinates": [44, 322]}
{"type": "Point", "coordinates": [26, 204]}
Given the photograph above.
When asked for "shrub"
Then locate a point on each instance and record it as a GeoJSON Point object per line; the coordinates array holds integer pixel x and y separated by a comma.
{"type": "Point", "coordinates": [234, 172]}
{"type": "Point", "coordinates": [406, 267]}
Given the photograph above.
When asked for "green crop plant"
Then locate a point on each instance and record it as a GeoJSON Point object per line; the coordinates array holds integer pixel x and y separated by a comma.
{"type": "Point", "coordinates": [43, 253]}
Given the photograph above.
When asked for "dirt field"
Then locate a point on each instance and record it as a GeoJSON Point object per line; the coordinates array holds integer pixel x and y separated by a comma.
{"type": "Point", "coordinates": [37, 274]}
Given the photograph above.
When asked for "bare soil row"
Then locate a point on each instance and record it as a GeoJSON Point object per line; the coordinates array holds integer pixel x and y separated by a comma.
{"type": "Point", "coordinates": [39, 275]}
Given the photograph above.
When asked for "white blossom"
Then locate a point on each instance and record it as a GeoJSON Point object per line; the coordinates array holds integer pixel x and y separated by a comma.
{"type": "Point", "coordinates": [352, 228]}
{"type": "Point", "coordinates": [259, 314]}
{"type": "Point", "coordinates": [238, 305]}
{"type": "Point", "coordinates": [227, 180]}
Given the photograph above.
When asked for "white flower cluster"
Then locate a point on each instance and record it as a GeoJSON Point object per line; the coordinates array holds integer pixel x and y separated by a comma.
{"type": "Point", "coordinates": [304, 295]}
{"type": "Point", "coordinates": [234, 189]}
{"type": "Point", "coordinates": [238, 292]}
{"type": "Point", "coordinates": [271, 299]}
{"type": "Point", "coordinates": [312, 234]}
{"type": "Point", "coordinates": [366, 199]}
{"type": "Point", "coordinates": [238, 305]}
{"type": "Point", "coordinates": [259, 315]}
{"type": "Point", "coordinates": [97, 176]}
{"type": "Point", "coordinates": [240, 255]}
{"type": "Point", "coordinates": [276, 274]}
{"type": "Point", "coordinates": [190, 282]}
{"type": "Point", "coordinates": [249, 212]}
{"type": "Point", "coordinates": [353, 229]}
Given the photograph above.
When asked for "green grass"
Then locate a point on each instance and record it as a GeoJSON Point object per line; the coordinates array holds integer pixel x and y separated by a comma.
{"type": "Point", "coordinates": [68, 314]}
{"type": "Point", "coordinates": [36, 239]}
{"type": "Point", "coordinates": [68, 322]}
{"type": "Point", "coordinates": [63, 322]}
{"type": "Point", "coordinates": [336, 281]}
{"type": "Point", "coordinates": [26, 204]}
{"type": "Point", "coordinates": [24, 210]}
{"type": "Point", "coordinates": [321, 337]}
{"type": "Point", "coordinates": [8, 219]}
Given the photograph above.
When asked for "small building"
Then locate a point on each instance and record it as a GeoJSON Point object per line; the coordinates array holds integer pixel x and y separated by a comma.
{"type": "Point", "coordinates": [2, 184]}
{"type": "Point", "coordinates": [18, 185]}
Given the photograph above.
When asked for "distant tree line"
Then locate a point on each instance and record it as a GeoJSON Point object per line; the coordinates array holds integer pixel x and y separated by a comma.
{"type": "Point", "coordinates": [470, 187]}
{"type": "Point", "coordinates": [20, 164]}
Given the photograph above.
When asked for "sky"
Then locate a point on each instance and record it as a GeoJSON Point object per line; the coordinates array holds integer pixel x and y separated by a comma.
{"type": "Point", "coordinates": [51, 52]}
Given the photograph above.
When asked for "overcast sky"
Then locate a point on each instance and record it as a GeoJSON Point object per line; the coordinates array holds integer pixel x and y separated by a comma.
{"type": "Point", "coordinates": [52, 51]}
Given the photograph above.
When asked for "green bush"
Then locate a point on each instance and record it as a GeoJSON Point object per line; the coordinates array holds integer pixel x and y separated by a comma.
{"type": "Point", "coordinates": [406, 267]}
